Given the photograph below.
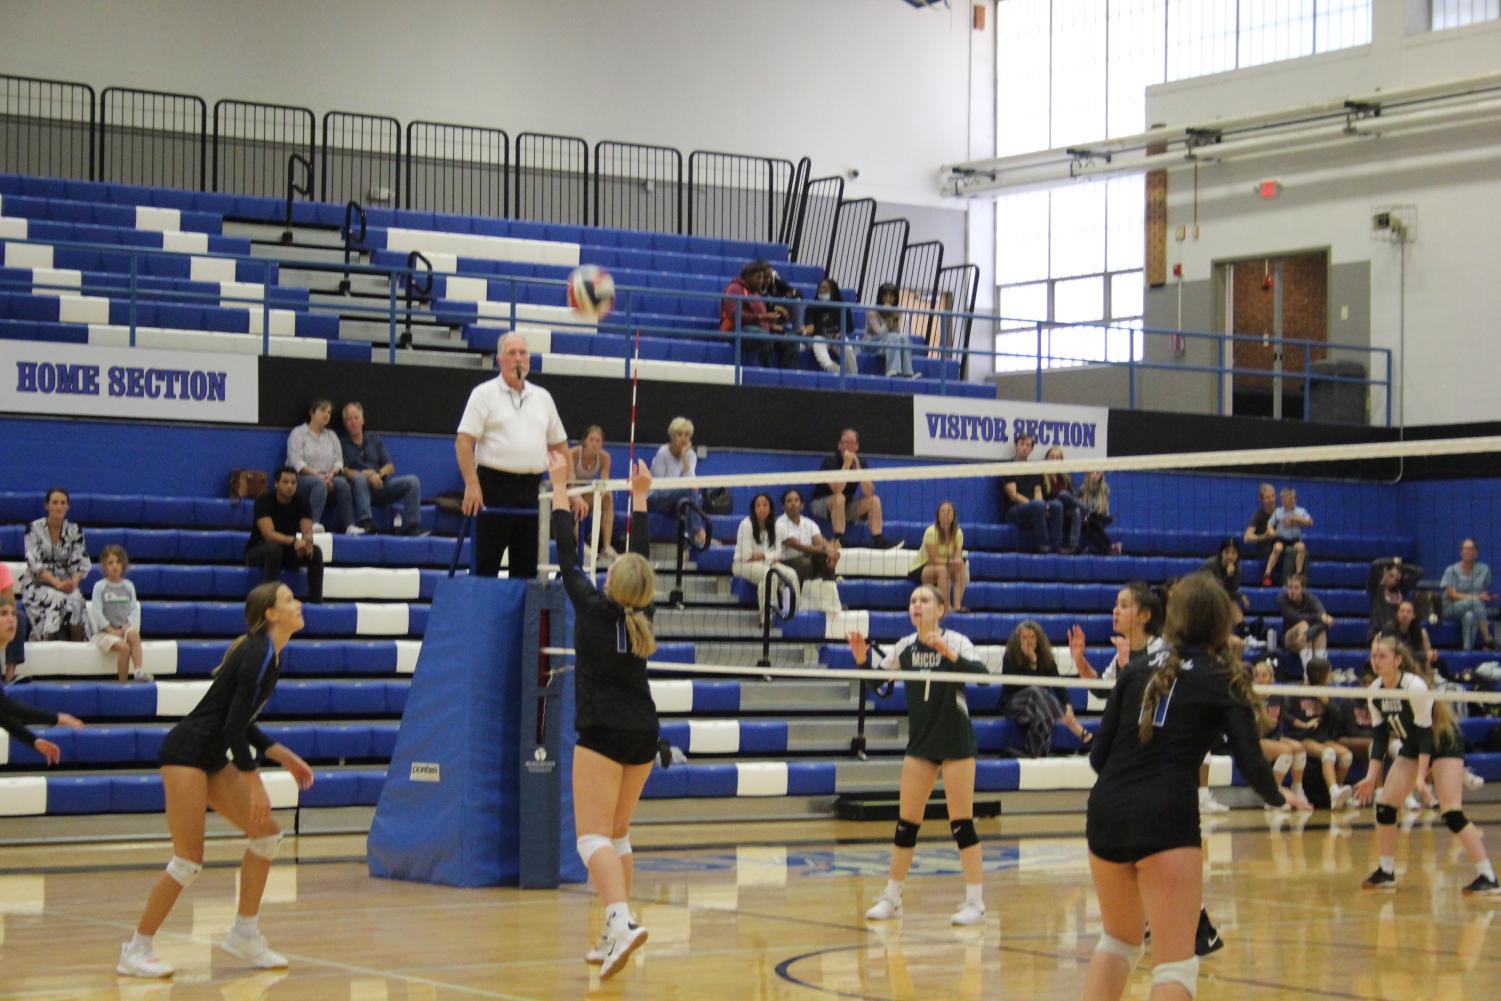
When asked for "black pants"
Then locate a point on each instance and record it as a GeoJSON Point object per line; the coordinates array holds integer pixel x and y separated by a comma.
{"type": "Point", "coordinates": [515, 534]}
{"type": "Point", "coordinates": [273, 558]}
{"type": "Point", "coordinates": [811, 566]}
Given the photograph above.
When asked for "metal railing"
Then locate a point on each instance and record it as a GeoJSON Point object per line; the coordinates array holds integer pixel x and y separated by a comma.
{"type": "Point", "coordinates": [632, 317]}
{"type": "Point", "coordinates": [252, 141]}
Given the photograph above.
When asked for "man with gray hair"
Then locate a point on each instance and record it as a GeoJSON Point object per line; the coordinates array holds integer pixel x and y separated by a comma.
{"type": "Point", "coordinates": [509, 426]}
{"type": "Point", "coordinates": [372, 476]}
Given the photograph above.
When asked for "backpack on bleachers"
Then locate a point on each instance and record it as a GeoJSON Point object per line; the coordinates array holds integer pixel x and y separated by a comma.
{"type": "Point", "coordinates": [247, 484]}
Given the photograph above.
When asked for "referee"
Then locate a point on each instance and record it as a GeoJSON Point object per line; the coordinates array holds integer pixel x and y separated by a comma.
{"type": "Point", "coordinates": [508, 427]}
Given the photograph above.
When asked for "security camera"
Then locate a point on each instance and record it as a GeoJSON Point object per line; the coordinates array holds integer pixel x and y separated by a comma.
{"type": "Point", "coordinates": [853, 173]}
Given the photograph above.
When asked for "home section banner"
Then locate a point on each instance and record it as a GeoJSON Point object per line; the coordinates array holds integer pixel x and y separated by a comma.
{"type": "Point", "coordinates": [76, 380]}
{"type": "Point", "coordinates": [955, 428]}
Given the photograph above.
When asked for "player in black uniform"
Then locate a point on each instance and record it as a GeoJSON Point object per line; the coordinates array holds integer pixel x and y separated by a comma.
{"type": "Point", "coordinates": [940, 738]}
{"type": "Point", "coordinates": [193, 755]}
{"type": "Point", "coordinates": [15, 715]}
{"type": "Point", "coordinates": [1145, 852]}
{"type": "Point", "coordinates": [1431, 742]}
{"type": "Point", "coordinates": [614, 712]}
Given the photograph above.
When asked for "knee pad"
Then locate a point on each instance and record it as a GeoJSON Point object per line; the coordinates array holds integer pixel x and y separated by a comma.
{"type": "Point", "coordinates": [1185, 972]}
{"type": "Point", "coordinates": [265, 847]}
{"type": "Point", "coordinates": [1346, 757]}
{"type": "Point", "coordinates": [1386, 815]}
{"type": "Point", "coordinates": [1283, 763]}
{"type": "Point", "coordinates": [1112, 946]}
{"type": "Point", "coordinates": [183, 870]}
{"type": "Point", "coordinates": [1456, 820]}
{"type": "Point", "coordinates": [622, 846]}
{"type": "Point", "coordinates": [964, 833]}
{"type": "Point", "coordinates": [1329, 756]}
{"type": "Point", "coordinates": [1300, 760]}
{"type": "Point", "coordinates": [588, 844]}
{"type": "Point", "coordinates": [906, 834]}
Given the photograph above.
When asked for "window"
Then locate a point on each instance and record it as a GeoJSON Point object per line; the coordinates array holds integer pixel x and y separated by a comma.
{"type": "Point", "coordinates": [1071, 72]}
{"type": "Point", "coordinates": [1446, 14]}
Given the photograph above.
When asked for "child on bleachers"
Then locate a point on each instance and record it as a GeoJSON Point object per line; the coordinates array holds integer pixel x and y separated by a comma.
{"type": "Point", "coordinates": [1224, 567]}
{"type": "Point", "coordinates": [830, 323]}
{"type": "Point", "coordinates": [1314, 723]}
{"type": "Point", "coordinates": [883, 333]}
{"type": "Point", "coordinates": [1060, 487]}
{"type": "Point", "coordinates": [1094, 494]}
{"type": "Point", "coordinates": [1286, 525]}
{"type": "Point", "coordinates": [1305, 623]}
{"type": "Point", "coordinates": [116, 615]}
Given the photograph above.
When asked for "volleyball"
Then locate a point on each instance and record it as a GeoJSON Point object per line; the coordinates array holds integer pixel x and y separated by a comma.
{"type": "Point", "coordinates": [591, 291]}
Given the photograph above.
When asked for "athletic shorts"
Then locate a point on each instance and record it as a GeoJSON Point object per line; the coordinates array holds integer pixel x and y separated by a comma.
{"type": "Point", "coordinates": [915, 576]}
{"type": "Point", "coordinates": [210, 761]}
{"type": "Point", "coordinates": [105, 642]}
{"type": "Point", "coordinates": [1130, 854]}
{"type": "Point", "coordinates": [624, 747]}
{"type": "Point", "coordinates": [820, 508]}
{"type": "Point", "coordinates": [1441, 749]}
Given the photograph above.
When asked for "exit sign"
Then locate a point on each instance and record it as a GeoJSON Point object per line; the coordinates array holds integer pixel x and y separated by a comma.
{"type": "Point", "coordinates": [1269, 189]}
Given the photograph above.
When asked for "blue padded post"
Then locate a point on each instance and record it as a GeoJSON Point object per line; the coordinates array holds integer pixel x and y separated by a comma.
{"type": "Point", "coordinates": [449, 808]}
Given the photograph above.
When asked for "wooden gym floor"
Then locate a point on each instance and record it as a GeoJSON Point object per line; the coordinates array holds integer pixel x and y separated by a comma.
{"type": "Point", "coordinates": [765, 911]}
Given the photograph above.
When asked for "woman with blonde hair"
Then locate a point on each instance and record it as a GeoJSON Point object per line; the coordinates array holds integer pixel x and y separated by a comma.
{"type": "Point", "coordinates": [219, 731]}
{"type": "Point", "coordinates": [1094, 494]}
{"type": "Point", "coordinates": [1145, 848]}
{"type": "Point", "coordinates": [940, 559]}
{"type": "Point", "coordinates": [1431, 742]}
{"type": "Point", "coordinates": [592, 462]}
{"type": "Point", "coordinates": [614, 713]}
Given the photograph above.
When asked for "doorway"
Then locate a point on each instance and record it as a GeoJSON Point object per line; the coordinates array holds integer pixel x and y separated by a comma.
{"type": "Point", "coordinates": [1286, 296]}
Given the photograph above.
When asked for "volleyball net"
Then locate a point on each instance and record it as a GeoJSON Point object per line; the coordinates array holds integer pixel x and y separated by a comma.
{"type": "Point", "coordinates": [1048, 542]}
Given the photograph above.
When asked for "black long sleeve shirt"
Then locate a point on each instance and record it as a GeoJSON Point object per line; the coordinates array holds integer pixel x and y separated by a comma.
{"type": "Point", "coordinates": [225, 718]}
{"type": "Point", "coordinates": [15, 715]}
{"type": "Point", "coordinates": [610, 684]}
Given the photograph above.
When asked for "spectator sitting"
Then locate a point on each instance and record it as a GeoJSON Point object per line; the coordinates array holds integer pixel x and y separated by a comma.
{"type": "Point", "coordinates": [15, 649]}
{"type": "Point", "coordinates": [1094, 494]}
{"type": "Point", "coordinates": [56, 564]}
{"type": "Point", "coordinates": [1315, 723]}
{"type": "Point", "coordinates": [1224, 567]}
{"type": "Point", "coordinates": [1389, 583]}
{"type": "Point", "coordinates": [1410, 630]}
{"type": "Point", "coordinates": [281, 535]}
{"type": "Point", "coordinates": [837, 501]}
{"type": "Point", "coordinates": [787, 317]}
{"type": "Point", "coordinates": [1022, 503]}
{"type": "Point", "coordinates": [801, 546]}
{"type": "Point", "coordinates": [830, 323]}
{"type": "Point", "coordinates": [883, 333]}
{"type": "Point", "coordinates": [591, 462]}
{"type": "Point", "coordinates": [1466, 587]}
{"type": "Point", "coordinates": [674, 460]}
{"type": "Point", "coordinates": [1258, 534]}
{"type": "Point", "coordinates": [315, 453]}
{"type": "Point", "coordinates": [1032, 707]}
{"type": "Point", "coordinates": [940, 560]}
{"type": "Point", "coordinates": [755, 541]}
{"type": "Point", "coordinates": [744, 309]}
{"type": "Point", "coordinates": [1285, 753]}
{"type": "Point", "coordinates": [115, 615]}
{"type": "Point", "coordinates": [1286, 525]}
{"type": "Point", "coordinates": [1305, 623]}
{"type": "Point", "coordinates": [372, 476]}
{"type": "Point", "coordinates": [1060, 487]}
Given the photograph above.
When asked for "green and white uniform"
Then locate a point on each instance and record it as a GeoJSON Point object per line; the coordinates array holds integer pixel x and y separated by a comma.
{"type": "Point", "coordinates": [1408, 720]}
{"type": "Point", "coordinates": [937, 712]}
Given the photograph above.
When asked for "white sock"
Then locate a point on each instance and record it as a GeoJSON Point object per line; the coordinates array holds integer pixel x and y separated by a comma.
{"type": "Point", "coordinates": [1484, 869]}
{"type": "Point", "coordinates": [894, 889]}
{"type": "Point", "coordinates": [248, 927]}
{"type": "Point", "coordinates": [1388, 863]}
{"type": "Point", "coordinates": [972, 893]}
{"type": "Point", "coordinates": [141, 943]}
{"type": "Point", "coordinates": [618, 914]}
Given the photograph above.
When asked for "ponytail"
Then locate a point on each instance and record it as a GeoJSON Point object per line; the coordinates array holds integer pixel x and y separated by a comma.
{"type": "Point", "coordinates": [632, 583]}
{"type": "Point", "coordinates": [1198, 616]}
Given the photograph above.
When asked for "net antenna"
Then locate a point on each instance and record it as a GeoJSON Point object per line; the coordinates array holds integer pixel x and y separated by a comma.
{"type": "Point", "coordinates": [630, 466]}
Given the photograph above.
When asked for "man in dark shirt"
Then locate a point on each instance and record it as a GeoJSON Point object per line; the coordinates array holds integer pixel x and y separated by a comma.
{"type": "Point", "coordinates": [281, 535]}
{"type": "Point", "coordinates": [1259, 532]}
{"type": "Point", "coordinates": [838, 501]}
{"type": "Point", "coordinates": [1022, 504]}
{"type": "Point", "coordinates": [1389, 582]}
{"type": "Point", "coordinates": [372, 475]}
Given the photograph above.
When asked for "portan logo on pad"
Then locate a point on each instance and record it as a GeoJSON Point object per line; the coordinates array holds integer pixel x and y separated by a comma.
{"type": "Point", "coordinates": [425, 771]}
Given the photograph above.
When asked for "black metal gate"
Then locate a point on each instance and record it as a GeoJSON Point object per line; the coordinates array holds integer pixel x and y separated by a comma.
{"type": "Point", "coordinates": [153, 137]}
{"type": "Point", "coordinates": [46, 128]}
{"type": "Point", "coordinates": [552, 178]}
{"type": "Point", "coordinates": [638, 187]}
{"type": "Point", "coordinates": [252, 142]}
{"type": "Point", "coordinates": [361, 159]}
{"type": "Point", "coordinates": [458, 168]}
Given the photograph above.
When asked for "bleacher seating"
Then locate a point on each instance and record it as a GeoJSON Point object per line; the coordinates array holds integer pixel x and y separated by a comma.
{"type": "Point", "coordinates": [182, 298]}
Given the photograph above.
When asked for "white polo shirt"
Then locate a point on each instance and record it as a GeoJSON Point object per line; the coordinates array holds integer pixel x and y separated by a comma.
{"type": "Point", "coordinates": [513, 430]}
{"type": "Point", "coordinates": [805, 531]}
